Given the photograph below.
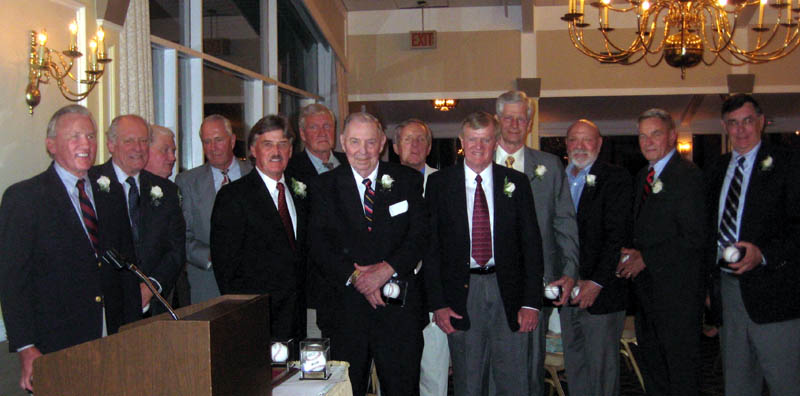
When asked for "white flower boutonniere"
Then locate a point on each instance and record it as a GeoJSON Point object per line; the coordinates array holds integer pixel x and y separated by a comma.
{"type": "Point", "coordinates": [104, 183]}
{"type": "Point", "coordinates": [657, 186]}
{"type": "Point", "coordinates": [387, 182]}
{"type": "Point", "coordinates": [591, 180]}
{"type": "Point", "coordinates": [156, 194]}
{"type": "Point", "coordinates": [299, 188]}
{"type": "Point", "coordinates": [540, 171]}
{"type": "Point", "coordinates": [766, 164]}
{"type": "Point", "coordinates": [508, 188]}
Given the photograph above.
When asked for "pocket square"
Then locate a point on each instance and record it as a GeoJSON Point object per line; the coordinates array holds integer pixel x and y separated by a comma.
{"type": "Point", "coordinates": [398, 208]}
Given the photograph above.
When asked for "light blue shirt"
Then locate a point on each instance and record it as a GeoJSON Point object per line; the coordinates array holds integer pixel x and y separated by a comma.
{"type": "Point", "coordinates": [749, 161]}
{"type": "Point", "coordinates": [318, 164]}
{"type": "Point", "coordinates": [662, 163]}
{"type": "Point", "coordinates": [234, 173]}
{"type": "Point", "coordinates": [577, 182]}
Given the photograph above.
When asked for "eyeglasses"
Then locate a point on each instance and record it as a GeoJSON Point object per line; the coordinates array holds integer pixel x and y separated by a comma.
{"type": "Point", "coordinates": [745, 122]}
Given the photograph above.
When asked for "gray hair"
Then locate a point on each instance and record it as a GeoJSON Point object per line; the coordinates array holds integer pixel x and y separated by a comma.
{"type": "Point", "coordinates": [113, 129]}
{"type": "Point", "coordinates": [160, 130]}
{"type": "Point", "coordinates": [314, 109]}
{"type": "Point", "coordinates": [217, 117]}
{"type": "Point", "coordinates": [398, 129]}
{"type": "Point", "coordinates": [661, 114]}
{"type": "Point", "coordinates": [479, 120]}
{"type": "Point", "coordinates": [69, 109]}
{"type": "Point", "coordinates": [511, 97]}
{"type": "Point", "coordinates": [362, 117]}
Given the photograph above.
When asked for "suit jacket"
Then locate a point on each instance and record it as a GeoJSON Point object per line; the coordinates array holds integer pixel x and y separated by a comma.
{"type": "Point", "coordinates": [604, 225]}
{"type": "Point", "coordinates": [52, 286]}
{"type": "Point", "coordinates": [339, 238]}
{"type": "Point", "coordinates": [198, 194]}
{"type": "Point", "coordinates": [428, 171]}
{"type": "Point", "coordinates": [517, 244]}
{"type": "Point", "coordinates": [771, 221]}
{"type": "Point", "coordinates": [670, 232]}
{"type": "Point", "coordinates": [302, 169]}
{"type": "Point", "coordinates": [555, 213]}
{"type": "Point", "coordinates": [161, 247]}
{"type": "Point", "coordinates": [251, 251]}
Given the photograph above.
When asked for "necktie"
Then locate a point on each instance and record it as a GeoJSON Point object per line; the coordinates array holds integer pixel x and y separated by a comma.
{"type": "Point", "coordinates": [481, 230]}
{"type": "Point", "coordinates": [510, 162]}
{"type": "Point", "coordinates": [283, 211]}
{"type": "Point", "coordinates": [133, 207]}
{"type": "Point", "coordinates": [369, 201]}
{"type": "Point", "coordinates": [89, 216]}
{"type": "Point", "coordinates": [648, 183]}
{"type": "Point", "coordinates": [727, 227]}
{"type": "Point", "coordinates": [225, 178]}
{"type": "Point", "coordinates": [328, 165]}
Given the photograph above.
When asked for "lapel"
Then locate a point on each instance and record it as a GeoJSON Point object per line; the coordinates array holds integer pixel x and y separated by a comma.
{"type": "Point", "coordinates": [457, 190]}
{"type": "Point", "coordinates": [349, 199]}
{"type": "Point", "coordinates": [261, 198]}
{"type": "Point", "coordinates": [62, 204]}
{"type": "Point", "coordinates": [718, 178]}
{"type": "Point", "coordinates": [588, 192]}
{"type": "Point", "coordinates": [756, 186]}
{"type": "Point", "coordinates": [382, 197]}
{"type": "Point", "coordinates": [530, 163]}
{"type": "Point", "coordinates": [665, 177]}
{"type": "Point", "coordinates": [502, 205]}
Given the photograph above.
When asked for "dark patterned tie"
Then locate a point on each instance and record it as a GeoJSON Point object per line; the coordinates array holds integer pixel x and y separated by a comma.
{"type": "Point", "coordinates": [727, 227]}
{"type": "Point", "coordinates": [328, 165]}
{"type": "Point", "coordinates": [369, 202]}
{"type": "Point", "coordinates": [481, 229]}
{"type": "Point", "coordinates": [133, 207]}
{"type": "Point", "coordinates": [225, 178]}
{"type": "Point", "coordinates": [89, 216]}
{"type": "Point", "coordinates": [648, 183]}
{"type": "Point", "coordinates": [283, 210]}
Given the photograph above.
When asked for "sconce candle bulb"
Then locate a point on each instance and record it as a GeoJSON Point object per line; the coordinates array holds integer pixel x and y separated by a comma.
{"type": "Point", "coordinates": [73, 36]}
{"type": "Point", "coordinates": [101, 46]}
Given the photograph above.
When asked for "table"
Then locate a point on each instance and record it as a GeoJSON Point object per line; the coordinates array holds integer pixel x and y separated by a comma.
{"type": "Point", "coordinates": [337, 385]}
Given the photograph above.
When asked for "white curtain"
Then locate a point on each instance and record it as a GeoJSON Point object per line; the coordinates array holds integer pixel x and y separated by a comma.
{"type": "Point", "coordinates": [135, 64]}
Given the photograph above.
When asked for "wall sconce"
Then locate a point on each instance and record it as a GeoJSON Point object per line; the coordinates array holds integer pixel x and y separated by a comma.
{"type": "Point", "coordinates": [47, 64]}
{"type": "Point", "coordinates": [684, 147]}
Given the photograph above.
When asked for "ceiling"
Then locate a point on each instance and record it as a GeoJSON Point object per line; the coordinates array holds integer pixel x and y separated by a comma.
{"type": "Point", "coordinates": [370, 5]}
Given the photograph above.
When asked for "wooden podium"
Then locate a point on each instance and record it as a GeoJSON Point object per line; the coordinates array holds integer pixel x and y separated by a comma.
{"type": "Point", "coordinates": [219, 347]}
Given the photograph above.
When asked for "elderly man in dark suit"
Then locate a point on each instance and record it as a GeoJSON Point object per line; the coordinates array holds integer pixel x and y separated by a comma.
{"type": "Point", "coordinates": [666, 260]}
{"type": "Point", "coordinates": [258, 230]}
{"type": "Point", "coordinates": [754, 201]}
{"type": "Point", "coordinates": [368, 225]}
{"type": "Point", "coordinates": [199, 188]}
{"type": "Point", "coordinates": [483, 269]}
{"type": "Point", "coordinates": [159, 232]}
{"type": "Point", "coordinates": [318, 134]}
{"type": "Point", "coordinates": [554, 211]}
{"type": "Point", "coordinates": [53, 227]}
{"type": "Point", "coordinates": [602, 194]}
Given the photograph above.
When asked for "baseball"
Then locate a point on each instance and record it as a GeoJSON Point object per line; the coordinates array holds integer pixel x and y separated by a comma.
{"type": "Point", "coordinates": [552, 292]}
{"type": "Point", "coordinates": [279, 352]}
{"type": "Point", "coordinates": [575, 291]}
{"type": "Point", "coordinates": [391, 290]}
{"type": "Point", "coordinates": [732, 254]}
{"type": "Point", "coordinates": [315, 361]}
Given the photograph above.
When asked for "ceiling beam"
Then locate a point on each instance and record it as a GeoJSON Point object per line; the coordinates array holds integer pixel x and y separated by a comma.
{"type": "Point", "coordinates": [527, 16]}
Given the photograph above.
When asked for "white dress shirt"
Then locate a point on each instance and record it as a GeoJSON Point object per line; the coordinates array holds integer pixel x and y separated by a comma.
{"type": "Point", "coordinates": [500, 156]}
{"type": "Point", "coordinates": [272, 187]}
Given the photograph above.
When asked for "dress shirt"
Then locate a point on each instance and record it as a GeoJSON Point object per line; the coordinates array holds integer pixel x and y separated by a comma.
{"type": "Point", "coordinates": [361, 187]}
{"type": "Point", "coordinates": [70, 181]}
{"type": "Point", "coordinates": [747, 168]}
{"type": "Point", "coordinates": [661, 164]}
{"type": "Point", "coordinates": [122, 177]}
{"type": "Point", "coordinates": [272, 187]}
{"type": "Point", "coordinates": [488, 191]}
{"type": "Point", "coordinates": [234, 173]}
{"type": "Point", "coordinates": [577, 182]}
{"type": "Point", "coordinates": [519, 158]}
{"type": "Point", "coordinates": [318, 164]}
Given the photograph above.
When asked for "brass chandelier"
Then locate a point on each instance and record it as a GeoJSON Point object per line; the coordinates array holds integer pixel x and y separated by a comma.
{"type": "Point", "coordinates": [685, 33]}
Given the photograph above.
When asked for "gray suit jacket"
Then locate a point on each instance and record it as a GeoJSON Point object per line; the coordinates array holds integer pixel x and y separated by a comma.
{"type": "Point", "coordinates": [555, 214]}
{"type": "Point", "coordinates": [198, 194]}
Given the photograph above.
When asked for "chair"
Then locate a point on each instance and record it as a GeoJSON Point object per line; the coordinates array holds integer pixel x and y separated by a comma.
{"type": "Point", "coordinates": [628, 338]}
{"type": "Point", "coordinates": [554, 363]}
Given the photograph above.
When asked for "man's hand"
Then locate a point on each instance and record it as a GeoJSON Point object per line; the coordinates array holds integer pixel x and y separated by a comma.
{"type": "Point", "coordinates": [527, 319]}
{"type": "Point", "coordinates": [372, 277]}
{"type": "Point", "coordinates": [752, 258]}
{"type": "Point", "coordinates": [630, 263]}
{"type": "Point", "coordinates": [375, 299]}
{"type": "Point", "coordinates": [589, 293]}
{"type": "Point", "coordinates": [146, 294]}
{"type": "Point", "coordinates": [442, 318]}
{"type": "Point", "coordinates": [566, 283]}
{"type": "Point", "coordinates": [26, 358]}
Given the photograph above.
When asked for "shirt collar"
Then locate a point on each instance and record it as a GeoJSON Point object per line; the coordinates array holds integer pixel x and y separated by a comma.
{"type": "Point", "coordinates": [271, 183]}
{"type": "Point", "coordinates": [122, 176]}
{"type": "Point", "coordinates": [486, 175]}
{"type": "Point", "coordinates": [660, 164]}
{"type": "Point", "coordinates": [749, 158]}
{"type": "Point", "coordinates": [583, 172]}
{"type": "Point", "coordinates": [500, 154]}
{"type": "Point", "coordinates": [372, 176]}
{"type": "Point", "coordinates": [68, 178]}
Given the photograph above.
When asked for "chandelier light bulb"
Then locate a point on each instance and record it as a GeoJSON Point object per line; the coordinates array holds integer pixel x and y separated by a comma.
{"type": "Point", "coordinates": [646, 5]}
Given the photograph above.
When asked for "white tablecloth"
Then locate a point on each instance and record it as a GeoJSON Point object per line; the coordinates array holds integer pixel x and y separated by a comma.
{"type": "Point", "coordinates": [337, 385]}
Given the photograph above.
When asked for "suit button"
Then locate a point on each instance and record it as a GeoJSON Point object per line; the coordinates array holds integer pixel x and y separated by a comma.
{"type": "Point", "coordinates": [466, 285]}
{"type": "Point", "coordinates": [98, 299]}
{"type": "Point", "coordinates": [99, 264]}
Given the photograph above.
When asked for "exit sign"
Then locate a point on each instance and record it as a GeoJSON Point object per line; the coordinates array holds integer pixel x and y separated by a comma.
{"type": "Point", "coordinates": [423, 39]}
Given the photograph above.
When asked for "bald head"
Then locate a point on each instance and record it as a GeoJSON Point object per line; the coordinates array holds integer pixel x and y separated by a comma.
{"type": "Point", "coordinates": [583, 144]}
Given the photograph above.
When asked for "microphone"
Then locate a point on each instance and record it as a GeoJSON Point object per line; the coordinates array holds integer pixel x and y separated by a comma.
{"type": "Point", "coordinates": [112, 257]}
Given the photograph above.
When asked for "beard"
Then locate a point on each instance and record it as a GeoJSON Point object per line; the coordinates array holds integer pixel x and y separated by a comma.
{"type": "Point", "coordinates": [585, 159]}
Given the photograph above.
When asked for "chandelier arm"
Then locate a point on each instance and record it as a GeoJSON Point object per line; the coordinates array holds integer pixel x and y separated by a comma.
{"type": "Point", "coordinates": [78, 96]}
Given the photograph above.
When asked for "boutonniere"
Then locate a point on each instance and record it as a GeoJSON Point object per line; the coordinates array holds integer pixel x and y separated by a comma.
{"type": "Point", "coordinates": [508, 188]}
{"type": "Point", "coordinates": [540, 171]}
{"type": "Point", "coordinates": [155, 195]}
{"type": "Point", "coordinates": [387, 182]}
{"type": "Point", "coordinates": [104, 183]}
{"type": "Point", "coordinates": [591, 180]}
{"type": "Point", "coordinates": [299, 188]}
{"type": "Point", "coordinates": [657, 186]}
{"type": "Point", "coordinates": [766, 164]}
